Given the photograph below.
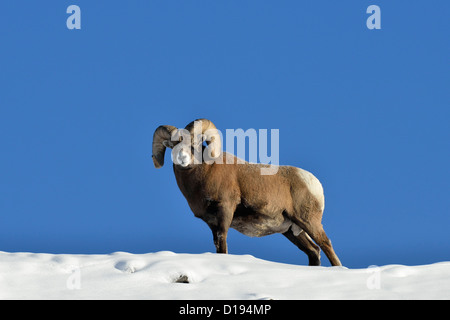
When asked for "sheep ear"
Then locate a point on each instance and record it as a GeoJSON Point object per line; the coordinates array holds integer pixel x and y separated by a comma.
{"type": "Point", "coordinates": [161, 140]}
{"type": "Point", "coordinates": [213, 142]}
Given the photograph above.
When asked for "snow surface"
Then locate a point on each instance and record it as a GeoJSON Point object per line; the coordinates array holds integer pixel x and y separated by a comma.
{"type": "Point", "coordinates": [123, 275]}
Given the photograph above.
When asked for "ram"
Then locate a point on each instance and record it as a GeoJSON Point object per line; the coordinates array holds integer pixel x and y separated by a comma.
{"type": "Point", "coordinates": [226, 193]}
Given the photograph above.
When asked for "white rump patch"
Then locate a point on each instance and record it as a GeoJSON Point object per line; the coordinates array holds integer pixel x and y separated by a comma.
{"type": "Point", "coordinates": [313, 184]}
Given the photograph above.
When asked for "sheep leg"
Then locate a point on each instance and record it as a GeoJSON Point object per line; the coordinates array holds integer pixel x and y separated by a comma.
{"type": "Point", "coordinates": [304, 243]}
{"type": "Point", "coordinates": [320, 237]}
{"type": "Point", "coordinates": [315, 230]}
{"type": "Point", "coordinates": [220, 227]}
{"type": "Point", "coordinates": [220, 240]}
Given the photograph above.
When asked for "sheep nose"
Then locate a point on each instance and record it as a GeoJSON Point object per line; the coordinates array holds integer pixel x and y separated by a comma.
{"type": "Point", "coordinates": [182, 157]}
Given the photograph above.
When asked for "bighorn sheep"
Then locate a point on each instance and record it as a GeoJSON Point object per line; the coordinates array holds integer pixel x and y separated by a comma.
{"type": "Point", "coordinates": [225, 194]}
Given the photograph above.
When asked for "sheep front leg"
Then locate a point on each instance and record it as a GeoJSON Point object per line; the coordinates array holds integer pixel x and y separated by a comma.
{"type": "Point", "coordinates": [220, 227]}
{"type": "Point", "coordinates": [220, 240]}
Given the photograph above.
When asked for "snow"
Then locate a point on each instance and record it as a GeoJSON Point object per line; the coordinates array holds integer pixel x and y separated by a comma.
{"type": "Point", "coordinates": [167, 275]}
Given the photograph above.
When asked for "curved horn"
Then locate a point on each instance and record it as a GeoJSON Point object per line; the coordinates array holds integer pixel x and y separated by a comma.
{"type": "Point", "coordinates": [161, 140]}
{"type": "Point", "coordinates": [211, 133]}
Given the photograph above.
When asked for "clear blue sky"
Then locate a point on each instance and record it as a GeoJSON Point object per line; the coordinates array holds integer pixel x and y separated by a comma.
{"type": "Point", "coordinates": [367, 111]}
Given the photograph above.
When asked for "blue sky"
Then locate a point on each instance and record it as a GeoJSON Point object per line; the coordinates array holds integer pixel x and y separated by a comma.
{"type": "Point", "coordinates": [366, 111]}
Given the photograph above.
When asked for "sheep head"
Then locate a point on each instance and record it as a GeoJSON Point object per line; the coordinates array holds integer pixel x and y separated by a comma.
{"type": "Point", "coordinates": [186, 144]}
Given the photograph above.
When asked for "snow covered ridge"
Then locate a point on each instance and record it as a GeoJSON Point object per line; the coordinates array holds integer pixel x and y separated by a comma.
{"type": "Point", "coordinates": [166, 275]}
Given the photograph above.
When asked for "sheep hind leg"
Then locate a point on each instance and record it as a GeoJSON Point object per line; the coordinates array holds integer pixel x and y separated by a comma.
{"type": "Point", "coordinates": [304, 243]}
{"type": "Point", "coordinates": [315, 230]}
